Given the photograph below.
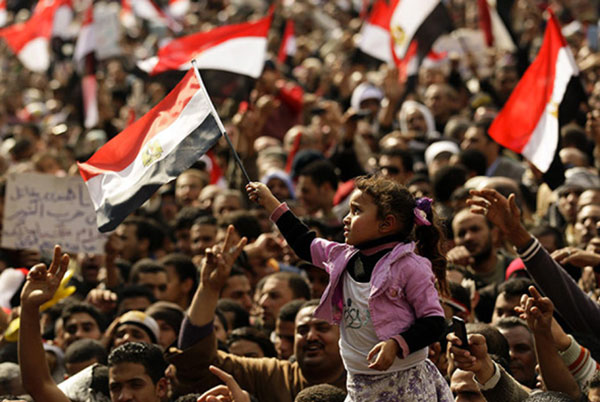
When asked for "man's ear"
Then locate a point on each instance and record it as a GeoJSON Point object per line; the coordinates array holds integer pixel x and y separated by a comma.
{"type": "Point", "coordinates": [162, 389]}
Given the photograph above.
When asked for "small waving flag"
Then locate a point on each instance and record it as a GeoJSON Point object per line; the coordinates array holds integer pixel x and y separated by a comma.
{"type": "Point", "coordinates": [529, 122]}
{"type": "Point", "coordinates": [238, 48]}
{"type": "Point", "coordinates": [154, 150]}
{"type": "Point", "coordinates": [288, 43]}
{"type": "Point", "coordinates": [30, 40]}
{"type": "Point", "coordinates": [3, 13]}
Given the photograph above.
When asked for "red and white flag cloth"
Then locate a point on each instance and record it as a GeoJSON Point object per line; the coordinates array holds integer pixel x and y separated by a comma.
{"type": "Point", "coordinates": [30, 40]}
{"type": "Point", "coordinates": [148, 10]}
{"type": "Point", "coordinates": [239, 48]}
{"type": "Point", "coordinates": [375, 37]}
{"type": "Point", "coordinates": [178, 8]}
{"type": "Point", "coordinates": [154, 150]}
{"type": "Point", "coordinates": [3, 13]}
{"type": "Point", "coordinates": [89, 88]}
{"type": "Point", "coordinates": [528, 123]}
{"type": "Point", "coordinates": [86, 41]}
{"type": "Point", "coordinates": [288, 42]}
{"type": "Point", "coordinates": [495, 32]}
{"type": "Point", "coordinates": [407, 17]}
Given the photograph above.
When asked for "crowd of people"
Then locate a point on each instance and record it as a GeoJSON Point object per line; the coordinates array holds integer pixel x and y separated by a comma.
{"type": "Point", "coordinates": [379, 209]}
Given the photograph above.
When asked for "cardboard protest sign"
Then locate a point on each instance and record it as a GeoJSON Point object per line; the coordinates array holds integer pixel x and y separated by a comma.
{"type": "Point", "coordinates": [43, 210]}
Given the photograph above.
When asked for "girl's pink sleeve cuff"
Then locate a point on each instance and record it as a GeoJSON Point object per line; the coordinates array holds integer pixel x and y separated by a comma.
{"type": "Point", "coordinates": [405, 351]}
{"type": "Point", "coordinates": [280, 210]}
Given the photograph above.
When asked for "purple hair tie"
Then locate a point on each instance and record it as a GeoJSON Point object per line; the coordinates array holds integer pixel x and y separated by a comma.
{"type": "Point", "coordinates": [421, 211]}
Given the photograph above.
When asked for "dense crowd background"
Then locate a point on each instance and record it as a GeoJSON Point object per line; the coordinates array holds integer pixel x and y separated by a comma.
{"type": "Point", "coordinates": [309, 126]}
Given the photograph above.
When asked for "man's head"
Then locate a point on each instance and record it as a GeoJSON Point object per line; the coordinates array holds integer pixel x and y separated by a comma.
{"type": "Point", "coordinates": [321, 393]}
{"type": "Point", "coordinates": [169, 317]}
{"type": "Point", "coordinates": [509, 297]}
{"type": "Point", "coordinates": [80, 321]}
{"type": "Point", "coordinates": [317, 184]}
{"type": "Point", "coordinates": [136, 372]}
{"type": "Point", "coordinates": [83, 353]}
{"type": "Point", "coordinates": [151, 274]}
{"type": "Point", "coordinates": [278, 289]}
{"type": "Point", "coordinates": [568, 196]}
{"type": "Point", "coordinates": [237, 288]}
{"type": "Point", "coordinates": [182, 279]}
{"type": "Point", "coordinates": [396, 164]}
{"type": "Point", "coordinates": [474, 232]}
{"type": "Point", "coordinates": [135, 326]}
{"type": "Point", "coordinates": [477, 137]}
{"type": "Point", "coordinates": [438, 98]}
{"type": "Point", "coordinates": [316, 345]}
{"type": "Point", "coordinates": [134, 297]}
{"type": "Point", "coordinates": [141, 237]}
{"type": "Point", "coordinates": [227, 201]}
{"type": "Point", "coordinates": [188, 187]}
{"type": "Point", "coordinates": [522, 350]}
{"type": "Point", "coordinates": [585, 225]}
{"type": "Point", "coordinates": [285, 326]}
{"type": "Point", "coordinates": [203, 234]}
{"type": "Point", "coordinates": [183, 224]}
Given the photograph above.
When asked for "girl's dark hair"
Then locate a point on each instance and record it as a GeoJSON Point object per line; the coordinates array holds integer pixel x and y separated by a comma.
{"type": "Point", "coordinates": [395, 199]}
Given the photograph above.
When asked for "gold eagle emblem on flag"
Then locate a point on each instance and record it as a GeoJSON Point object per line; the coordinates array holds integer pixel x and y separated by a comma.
{"type": "Point", "coordinates": [552, 108]}
{"type": "Point", "coordinates": [152, 152]}
{"type": "Point", "coordinates": [398, 34]}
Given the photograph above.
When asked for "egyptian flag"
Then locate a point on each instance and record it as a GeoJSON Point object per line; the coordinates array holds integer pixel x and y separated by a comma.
{"type": "Point", "coordinates": [154, 150]}
{"type": "Point", "coordinates": [375, 37]}
{"type": "Point", "coordinates": [30, 40]}
{"type": "Point", "coordinates": [85, 60]}
{"type": "Point", "coordinates": [494, 29]}
{"type": "Point", "coordinates": [288, 43]}
{"type": "Point", "coordinates": [238, 48]}
{"type": "Point", "coordinates": [422, 21]}
{"type": "Point", "coordinates": [550, 89]}
{"type": "Point", "coordinates": [3, 13]}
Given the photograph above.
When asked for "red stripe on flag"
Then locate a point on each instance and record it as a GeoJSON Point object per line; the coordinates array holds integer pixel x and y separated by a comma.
{"type": "Point", "coordinates": [122, 150]}
{"type": "Point", "coordinates": [516, 122]}
{"type": "Point", "coordinates": [288, 34]}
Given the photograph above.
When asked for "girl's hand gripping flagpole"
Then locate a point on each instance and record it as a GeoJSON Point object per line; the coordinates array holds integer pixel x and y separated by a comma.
{"type": "Point", "coordinates": [220, 123]}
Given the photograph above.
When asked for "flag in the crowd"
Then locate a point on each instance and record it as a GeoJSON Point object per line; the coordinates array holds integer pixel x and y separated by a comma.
{"type": "Point", "coordinates": [288, 42]}
{"type": "Point", "coordinates": [126, 15]}
{"type": "Point", "coordinates": [529, 122]}
{"type": "Point", "coordinates": [154, 150]}
{"type": "Point", "coordinates": [148, 10]}
{"type": "Point", "coordinates": [403, 32]}
{"type": "Point", "coordinates": [375, 37]}
{"type": "Point", "coordinates": [178, 8]}
{"type": "Point", "coordinates": [30, 40]}
{"type": "Point", "coordinates": [238, 48]}
{"type": "Point", "coordinates": [86, 41]}
{"type": "Point", "coordinates": [495, 31]}
{"type": "Point", "coordinates": [3, 13]}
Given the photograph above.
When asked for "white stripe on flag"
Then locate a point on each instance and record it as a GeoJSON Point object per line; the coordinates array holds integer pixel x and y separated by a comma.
{"type": "Point", "coordinates": [542, 144]}
{"type": "Point", "coordinates": [502, 38]}
{"type": "Point", "coordinates": [408, 16]}
{"type": "Point", "coordinates": [375, 41]}
{"type": "Point", "coordinates": [119, 184]}
{"type": "Point", "coordinates": [35, 55]}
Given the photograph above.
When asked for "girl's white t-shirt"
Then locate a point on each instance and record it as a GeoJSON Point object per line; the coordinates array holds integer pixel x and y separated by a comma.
{"type": "Point", "coordinates": [357, 334]}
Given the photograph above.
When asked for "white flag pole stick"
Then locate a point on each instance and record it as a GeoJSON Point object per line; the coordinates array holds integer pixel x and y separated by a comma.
{"type": "Point", "coordinates": [219, 122]}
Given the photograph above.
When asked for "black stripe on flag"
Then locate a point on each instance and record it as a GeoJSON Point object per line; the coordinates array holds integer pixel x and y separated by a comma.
{"type": "Point", "coordinates": [189, 151]}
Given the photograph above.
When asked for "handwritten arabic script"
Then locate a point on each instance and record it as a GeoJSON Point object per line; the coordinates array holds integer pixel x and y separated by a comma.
{"type": "Point", "coordinates": [43, 210]}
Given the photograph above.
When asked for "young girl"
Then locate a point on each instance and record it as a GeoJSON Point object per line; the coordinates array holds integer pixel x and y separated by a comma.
{"type": "Point", "coordinates": [381, 292]}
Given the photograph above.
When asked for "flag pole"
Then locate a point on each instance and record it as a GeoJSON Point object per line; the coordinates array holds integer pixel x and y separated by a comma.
{"type": "Point", "coordinates": [220, 123]}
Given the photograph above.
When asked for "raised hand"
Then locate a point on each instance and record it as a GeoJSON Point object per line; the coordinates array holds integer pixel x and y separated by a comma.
{"type": "Point", "coordinates": [475, 359]}
{"type": "Point", "coordinates": [502, 212]}
{"type": "Point", "coordinates": [230, 392]}
{"type": "Point", "coordinates": [43, 282]}
{"type": "Point", "coordinates": [260, 193]}
{"type": "Point", "coordinates": [537, 310]}
{"type": "Point", "coordinates": [218, 260]}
